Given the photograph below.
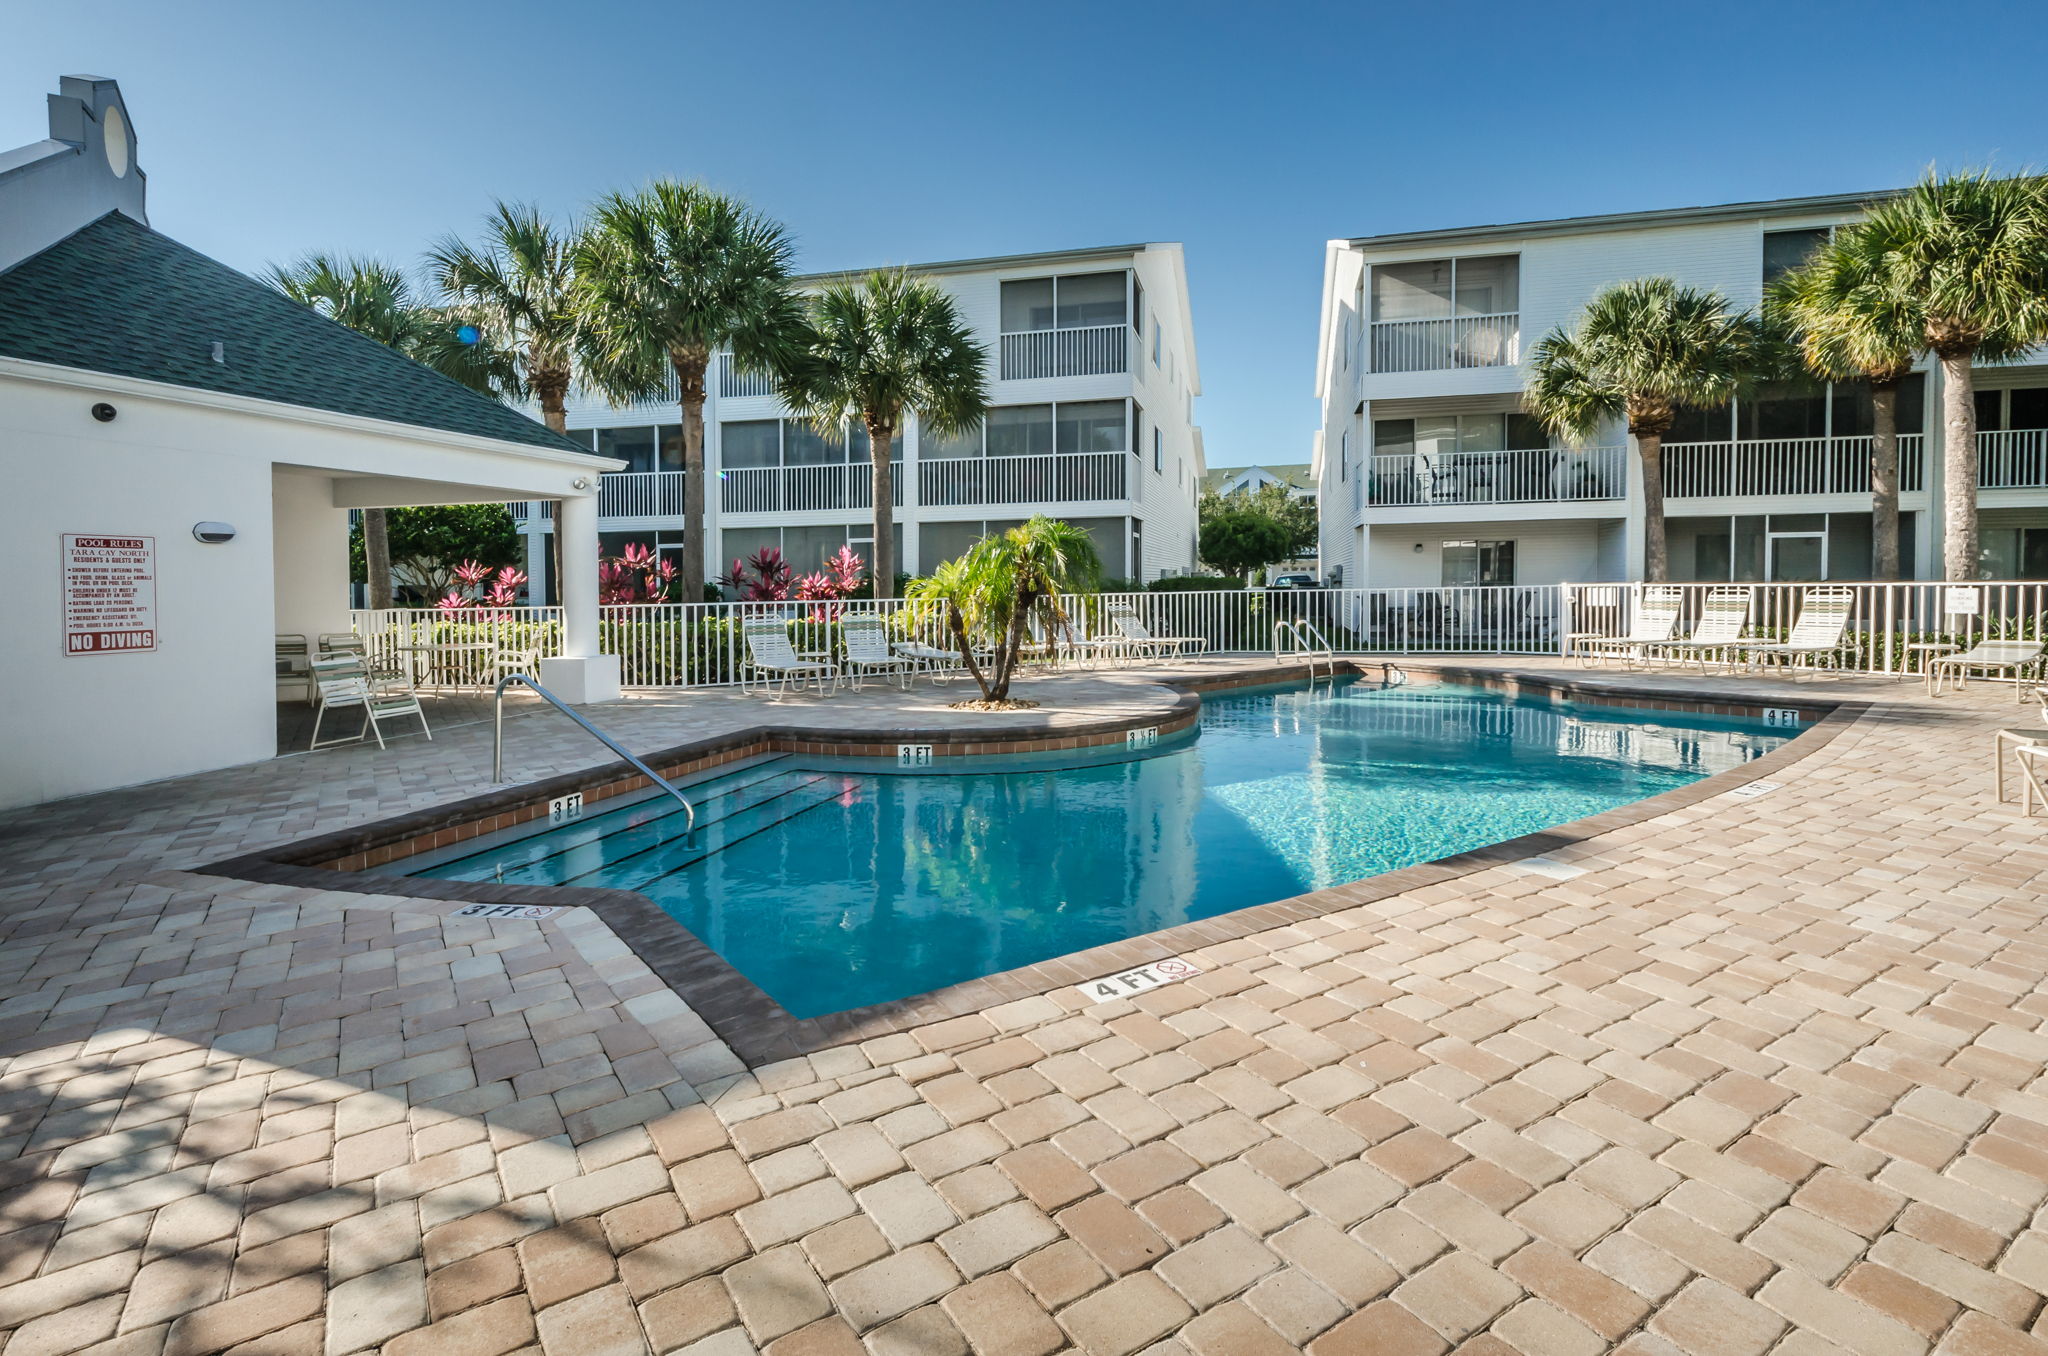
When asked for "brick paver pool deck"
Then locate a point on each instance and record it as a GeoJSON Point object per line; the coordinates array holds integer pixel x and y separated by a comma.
{"type": "Point", "coordinates": [1767, 1077]}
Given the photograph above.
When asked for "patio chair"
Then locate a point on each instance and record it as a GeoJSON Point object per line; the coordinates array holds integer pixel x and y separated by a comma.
{"type": "Point", "coordinates": [344, 682]}
{"type": "Point", "coordinates": [932, 659]}
{"type": "Point", "coordinates": [1821, 629]}
{"type": "Point", "coordinates": [507, 661]}
{"type": "Point", "coordinates": [2020, 738]}
{"type": "Point", "coordinates": [1718, 631]}
{"type": "Point", "coordinates": [2007, 656]}
{"type": "Point", "coordinates": [294, 666]}
{"type": "Point", "coordinates": [1655, 619]}
{"type": "Point", "coordinates": [1066, 643]}
{"type": "Point", "coordinates": [770, 656]}
{"type": "Point", "coordinates": [1138, 638]}
{"type": "Point", "coordinates": [2033, 761]}
{"type": "Point", "coordinates": [385, 676]}
{"type": "Point", "coordinates": [868, 651]}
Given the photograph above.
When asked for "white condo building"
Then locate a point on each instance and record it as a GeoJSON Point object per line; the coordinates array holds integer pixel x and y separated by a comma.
{"type": "Point", "coordinates": [1093, 377]}
{"type": "Point", "coordinates": [1432, 474]}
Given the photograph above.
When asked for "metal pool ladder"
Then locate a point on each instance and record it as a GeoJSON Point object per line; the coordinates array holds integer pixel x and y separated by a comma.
{"type": "Point", "coordinates": [1300, 637]}
{"type": "Point", "coordinates": [498, 742]}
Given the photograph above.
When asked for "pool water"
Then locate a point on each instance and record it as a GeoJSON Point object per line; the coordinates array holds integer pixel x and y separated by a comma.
{"type": "Point", "coordinates": [831, 888]}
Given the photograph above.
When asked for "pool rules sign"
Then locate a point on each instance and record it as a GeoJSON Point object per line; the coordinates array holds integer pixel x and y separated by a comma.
{"type": "Point", "coordinates": [109, 594]}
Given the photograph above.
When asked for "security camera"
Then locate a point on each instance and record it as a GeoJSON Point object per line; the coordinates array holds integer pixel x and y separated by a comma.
{"type": "Point", "coordinates": [213, 533]}
{"type": "Point", "coordinates": [104, 412]}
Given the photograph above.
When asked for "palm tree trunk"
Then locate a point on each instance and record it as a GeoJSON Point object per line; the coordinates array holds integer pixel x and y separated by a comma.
{"type": "Point", "coordinates": [376, 559]}
{"type": "Point", "coordinates": [1884, 480]}
{"type": "Point", "coordinates": [689, 369]}
{"type": "Point", "coordinates": [958, 623]}
{"type": "Point", "coordinates": [883, 567]}
{"type": "Point", "coordinates": [553, 391]}
{"type": "Point", "coordinates": [1656, 561]}
{"type": "Point", "coordinates": [1959, 465]}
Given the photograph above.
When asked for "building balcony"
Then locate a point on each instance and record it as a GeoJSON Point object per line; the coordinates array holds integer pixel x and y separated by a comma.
{"type": "Point", "coordinates": [1448, 343]}
{"type": "Point", "coordinates": [1050, 478]}
{"type": "Point", "coordinates": [1771, 468]}
{"type": "Point", "coordinates": [2012, 459]}
{"type": "Point", "coordinates": [1097, 350]}
{"type": "Point", "coordinates": [1538, 475]}
{"type": "Point", "coordinates": [801, 489]}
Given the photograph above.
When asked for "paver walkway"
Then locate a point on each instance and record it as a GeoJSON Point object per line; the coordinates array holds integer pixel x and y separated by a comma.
{"type": "Point", "coordinates": [1767, 1078]}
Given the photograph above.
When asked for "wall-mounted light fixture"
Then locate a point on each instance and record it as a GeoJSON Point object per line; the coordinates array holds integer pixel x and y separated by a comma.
{"type": "Point", "coordinates": [104, 412]}
{"type": "Point", "coordinates": [1418, 548]}
{"type": "Point", "coordinates": [579, 483]}
{"type": "Point", "coordinates": [213, 534]}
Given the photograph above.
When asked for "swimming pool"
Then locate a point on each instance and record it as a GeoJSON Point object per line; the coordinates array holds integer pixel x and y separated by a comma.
{"type": "Point", "coordinates": [832, 886]}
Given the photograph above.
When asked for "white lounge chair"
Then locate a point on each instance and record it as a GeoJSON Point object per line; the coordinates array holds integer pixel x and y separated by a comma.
{"type": "Point", "coordinates": [771, 657]}
{"type": "Point", "coordinates": [932, 659]}
{"type": "Point", "coordinates": [2020, 738]}
{"type": "Point", "coordinates": [1655, 619]}
{"type": "Point", "coordinates": [868, 651]}
{"type": "Point", "coordinates": [1138, 638]}
{"type": "Point", "coordinates": [1821, 629]}
{"type": "Point", "coordinates": [344, 682]}
{"type": "Point", "coordinates": [1989, 656]}
{"type": "Point", "coordinates": [1718, 632]}
{"type": "Point", "coordinates": [293, 659]}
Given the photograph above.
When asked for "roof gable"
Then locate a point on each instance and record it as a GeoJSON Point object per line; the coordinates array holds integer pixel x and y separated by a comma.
{"type": "Point", "coordinates": [120, 298]}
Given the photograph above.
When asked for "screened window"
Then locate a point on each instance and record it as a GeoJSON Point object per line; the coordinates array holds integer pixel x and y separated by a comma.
{"type": "Point", "coordinates": [1090, 426]}
{"type": "Point", "coordinates": [1137, 429]}
{"type": "Point", "coordinates": [1072, 301]}
{"type": "Point", "coordinates": [1478, 562]}
{"type": "Point", "coordinates": [752, 442]}
{"type": "Point", "coordinates": [1440, 435]}
{"type": "Point", "coordinates": [934, 447]}
{"type": "Point", "coordinates": [1436, 289]}
{"type": "Point", "coordinates": [859, 449]}
{"type": "Point", "coordinates": [1787, 250]}
{"type": "Point", "coordinates": [634, 446]}
{"type": "Point", "coordinates": [1158, 452]}
{"type": "Point", "coordinates": [2025, 408]}
{"type": "Point", "coordinates": [1020, 430]}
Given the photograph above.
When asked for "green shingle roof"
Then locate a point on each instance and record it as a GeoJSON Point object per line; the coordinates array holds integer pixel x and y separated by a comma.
{"type": "Point", "coordinates": [118, 297]}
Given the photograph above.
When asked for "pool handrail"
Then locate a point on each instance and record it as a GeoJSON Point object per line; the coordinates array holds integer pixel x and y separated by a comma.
{"type": "Point", "coordinates": [498, 742]}
{"type": "Point", "coordinates": [1306, 640]}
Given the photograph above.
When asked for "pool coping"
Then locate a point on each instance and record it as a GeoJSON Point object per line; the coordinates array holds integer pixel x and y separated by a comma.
{"type": "Point", "coordinates": [760, 1031]}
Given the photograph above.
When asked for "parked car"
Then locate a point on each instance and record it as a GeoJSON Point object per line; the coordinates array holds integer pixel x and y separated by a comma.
{"type": "Point", "coordinates": [1295, 581]}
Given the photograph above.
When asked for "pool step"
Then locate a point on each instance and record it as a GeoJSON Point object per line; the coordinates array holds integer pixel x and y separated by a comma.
{"type": "Point", "coordinates": [637, 870]}
{"type": "Point", "coordinates": [548, 858]}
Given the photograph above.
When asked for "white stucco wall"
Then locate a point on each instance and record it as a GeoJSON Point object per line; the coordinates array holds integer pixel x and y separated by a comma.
{"type": "Point", "coordinates": [205, 697]}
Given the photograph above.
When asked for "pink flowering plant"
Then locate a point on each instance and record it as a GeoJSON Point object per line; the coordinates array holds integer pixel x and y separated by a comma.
{"type": "Point", "coordinates": [636, 575]}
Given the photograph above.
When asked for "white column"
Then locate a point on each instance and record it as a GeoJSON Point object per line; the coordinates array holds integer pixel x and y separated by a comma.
{"type": "Point", "coordinates": [581, 675]}
{"type": "Point", "coordinates": [1635, 547]}
{"type": "Point", "coordinates": [309, 556]}
{"type": "Point", "coordinates": [536, 564]}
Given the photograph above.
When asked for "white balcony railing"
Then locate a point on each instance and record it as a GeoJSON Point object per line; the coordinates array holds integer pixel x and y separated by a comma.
{"type": "Point", "coordinates": [1454, 341]}
{"type": "Point", "coordinates": [2012, 459]}
{"type": "Point", "coordinates": [1771, 467]}
{"type": "Point", "coordinates": [1049, 478]}
{"type": "Point", "coordinates": [733, 382]}
{"type": "Point", "coordinates": [639, 494]}
{"type": "Point", "coordinates": [1093, 351]}
{"type": "Point", "coordinates": [1537, 475]}
{"type": "Point", "coordinates": [796, 489]}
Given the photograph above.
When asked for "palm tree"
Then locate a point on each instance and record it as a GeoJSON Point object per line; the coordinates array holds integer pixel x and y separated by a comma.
{"type": "Point", "coordinates": [1971, 251]}
{"type": "Point", "coordinates": [1851, 321]}
{"type": "Point", "coordinates": [518, 287]}
{"type": "Point", "coordinates": [989, 596]}
{"type": "Point", "coordinates": [872, 352]}
{"type": "Point", "coordinates": [1640, 351]}
{"type": "Point", "coordinates": [375, 300]}
{"type": "Point", "coordinates": [665, 278]}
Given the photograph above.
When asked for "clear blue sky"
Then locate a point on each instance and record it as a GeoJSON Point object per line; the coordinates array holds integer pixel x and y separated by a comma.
{"type": "Point", "coordinates": [894, 133]}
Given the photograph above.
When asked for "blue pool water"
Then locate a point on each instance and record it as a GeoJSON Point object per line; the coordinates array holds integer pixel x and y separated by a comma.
{"type": "Point", "coordinates": [831, 888]}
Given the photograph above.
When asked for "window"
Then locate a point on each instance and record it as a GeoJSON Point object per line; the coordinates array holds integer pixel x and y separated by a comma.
{"type": "Point", "coordinates": [1344, 456]}
{"type": "Point", "coordinates": [933, 447]}
{"type": "Point", "coordinates": [753, 443]}
{"type": "Point", "coordinates": [1137, 429]}
{"type": "Point", "coordinates": [1020, 430]}
{"type": "Point", "coordinates": [2026, 408]}
{"type": "Point", "coordinates": [1089, 426]}
{"type": "Point", "coordinates": [1075, 301]}
{"type": "Point", "coordinates": [634, 446]}
{"type": "Point", "coordinates": [1443, 434]}
{"type": "Point", "coordinates": [1437, 289]}
{"type": "Point", "coordinates": [1158, 452]}
{"type": "Point", "coordinates": [1138, 306]}
{"type": "Point", "coordinates": [1478, 562]}
{"type": "Point", "coordinates": [1155, 341]}
{"type": "Point", "coordinates": [1787, 250]}
{"type": "Point", "coordinates": [1801, 410]}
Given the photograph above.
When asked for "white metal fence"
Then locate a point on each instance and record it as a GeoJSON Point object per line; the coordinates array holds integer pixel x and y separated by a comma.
{"type": "Point", "coordinates": [700, 644]}
{"type": "Point", "coordinates": [1089, 351]}
{"type": "Point", "coordinates": [2012, 459]}
{"type": "Point", "coordinates": [1453, 341]}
